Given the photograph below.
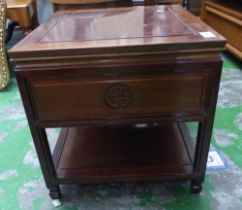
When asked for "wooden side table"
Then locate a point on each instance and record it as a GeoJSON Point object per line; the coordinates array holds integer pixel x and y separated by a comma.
{"type": "Point", "coordinates": [121, 83]}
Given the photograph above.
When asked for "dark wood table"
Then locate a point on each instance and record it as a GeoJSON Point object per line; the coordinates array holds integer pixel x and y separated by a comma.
{"type": "Point", "coordinates": [122, 84]}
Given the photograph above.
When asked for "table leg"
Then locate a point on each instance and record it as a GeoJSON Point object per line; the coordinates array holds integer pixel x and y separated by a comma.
{"type": "Point", "coordinates": [205, 130]}
{"type": "Point", "coordinates": [46, 161]}
{"type": "Point", "coordinates": [196, 186]}
{"type": "Point", "coordinates": [40, 141]}
{"type": "Point", "coordinates": [202, 148]}
{"type": "Point", "coordinates": [55, 192]}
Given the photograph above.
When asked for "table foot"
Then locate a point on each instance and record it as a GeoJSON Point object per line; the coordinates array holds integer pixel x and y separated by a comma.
{"type": "Point", "coordinates": [55, 193]}
{"type": "Point", "coordinates": [56, 203]}
{"type": "Point", "coordinates": [196, 187]}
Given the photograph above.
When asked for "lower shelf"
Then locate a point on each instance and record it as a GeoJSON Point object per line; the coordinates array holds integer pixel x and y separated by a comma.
{"type": "Point", "coordinates": [135, 153]}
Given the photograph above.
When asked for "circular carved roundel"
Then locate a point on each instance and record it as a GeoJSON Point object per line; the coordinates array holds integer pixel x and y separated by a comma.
{"type": "Point", "coordinates": [118, 96]}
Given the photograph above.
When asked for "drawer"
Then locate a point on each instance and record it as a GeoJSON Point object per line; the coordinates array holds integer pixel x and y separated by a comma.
{"type": "Point", "coordinates": [117, 97]}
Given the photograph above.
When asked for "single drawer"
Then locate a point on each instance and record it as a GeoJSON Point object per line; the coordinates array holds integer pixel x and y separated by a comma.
{"type": "Point", "coordinates": [115, 97]}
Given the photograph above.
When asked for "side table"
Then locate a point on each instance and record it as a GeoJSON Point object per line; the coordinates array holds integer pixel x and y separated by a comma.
{"type": "Point", "coordinates": [121, 83]}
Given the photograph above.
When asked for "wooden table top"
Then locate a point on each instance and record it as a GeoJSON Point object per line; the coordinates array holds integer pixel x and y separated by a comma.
{"type": "Point", "coordinates": [118, 30]}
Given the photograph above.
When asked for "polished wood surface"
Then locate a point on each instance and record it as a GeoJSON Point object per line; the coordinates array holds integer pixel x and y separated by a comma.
{"type": "Point", "coordinates": [149, 96]}
{"type": "Point", "coordinates": [101, 85]}
{"type": "Point", "coordinates": [132, 24]}
{"type": "Point", "coordinates": [64, 37]}
{"type": "Point", "coordinates": [226, 18]}
{"type": "Point", "coordinates": [93, 153]}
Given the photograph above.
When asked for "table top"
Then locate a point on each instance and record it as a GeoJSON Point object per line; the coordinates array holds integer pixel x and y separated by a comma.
{"type": "Point", "coordinates": [118, 29]}
{"type": "Point", "coordinates": [116, 25]}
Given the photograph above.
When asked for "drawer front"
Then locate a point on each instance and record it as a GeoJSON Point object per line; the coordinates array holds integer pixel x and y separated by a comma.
{"type": "Point", "coordinates": [77, 99]}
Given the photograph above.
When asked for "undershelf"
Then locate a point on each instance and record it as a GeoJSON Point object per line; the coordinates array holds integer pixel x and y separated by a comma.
{"type": "Point", "coordinates": [133, 153]}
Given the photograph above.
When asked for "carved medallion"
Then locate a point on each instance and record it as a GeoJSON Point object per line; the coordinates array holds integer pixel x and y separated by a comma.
{"type": "Point", "coordinates": [118, 96]}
